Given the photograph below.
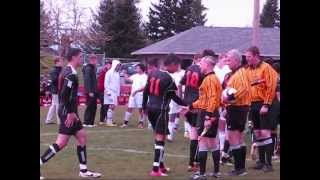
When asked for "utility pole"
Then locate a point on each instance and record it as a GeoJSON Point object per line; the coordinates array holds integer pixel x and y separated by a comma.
{"type": "Point", "coordinates": [256, 23]}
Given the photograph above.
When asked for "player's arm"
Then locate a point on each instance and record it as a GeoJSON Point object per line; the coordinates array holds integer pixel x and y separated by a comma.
{"type": "Point", "coordinates": [66, 94]}
{"type": "Point", "coordinates": [128, 79]}
{"type": "Point", "coordinates": [271, 77]}
{"type": "Point", "coordinates": [243, 86]}
{"type": "Point", "coordinates": [172, 94]}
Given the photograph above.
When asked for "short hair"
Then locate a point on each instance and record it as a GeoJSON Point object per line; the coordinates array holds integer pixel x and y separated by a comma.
{"type": "Point", "coordinates": [254, 50]}
{"type": "Point", "coordinates": [153, 62]}
{"type": "Point", "coordinates": [236, 54]}
{"type": "Point", "coordinates": [210, 60]}
{"type": "Point", "coordinates": [57, 59]}
{"type": "Point", "coordinates": [171, 59]}
{"type": "Point", "coordinates": [142, 67]}
{"type": "Point", "coordinates": [208, 52]}
{"type": "Point", "coordinates": [73, 52]}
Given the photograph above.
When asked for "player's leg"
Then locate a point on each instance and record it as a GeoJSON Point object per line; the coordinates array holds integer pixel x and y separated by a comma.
{"type": "Point", "coordinates": [191, 118]}
{"type": "Point", "coordinates": [141, 118]}
{"type": "Point", "coordinates": [103, 109]}
{"type": "Point", "coordinates": [127, 116]}
{"type": "Point", "coordinates": [213, 144]}
{"type": "Point", "coordinates": [51, 112]}
{"type": "Point", "coordinates": [171, 127]}
{"type": "Point", "coordinates": [110, 111]}
{"type": "Point", "coordinates": [187, 128]}
{"type": "Point", "coordinates": [81, 138]}
{"type": "Point", "coordinates": [202, 154]}
{"type": "Point", "coordinates": [55, 101]}
{"type": "Point", "coordinates": [176, 122]}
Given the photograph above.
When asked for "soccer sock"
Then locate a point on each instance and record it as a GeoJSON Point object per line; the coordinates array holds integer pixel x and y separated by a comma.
{"type": "Point", "coordinates": [82, 156]}
{"type": "Point", "coordinates": [216, 160]}
{"type": "Point", "coordinates": [51, 151]}
{"type": "Point", "coordinates": [187, 127]}
{"type": "Point", "coordinates": [274, 142]}
{"type": "Point", "coordinates": [176, 123]}
{"type": "Point", "coordinates": [269, 151]}
{"type": "Point", "coordinates": [142, 118]}
{"type": "Point", "coordinates": [127, 117]}
{"type": "Point", "coordinates": [193, 151]}
{"type": "Point", "coordinates": [162, 157]}
{"type": "Point", "coordinates": [262, 157]}
{"type": "Point", "coordinates": [203, 161]}
{"type": "Point", "coordinates": [243, 157]}
{"type": "Point", "coordinates": [171, 128]}
{"type": "Point", "coordinates": [226, 146]}
{"type": "Point", "coordinates": [237, 158]}
{"type": "Point", "coordinates": [158, 147]}
{"type": "Point", "coordinates": [109, 116]}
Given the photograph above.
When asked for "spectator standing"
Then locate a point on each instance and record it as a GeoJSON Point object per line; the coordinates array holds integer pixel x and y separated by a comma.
{"type": "Point", "coordinates": [54, 76]}
{"type": "Point", "coordinates": [90, 85]}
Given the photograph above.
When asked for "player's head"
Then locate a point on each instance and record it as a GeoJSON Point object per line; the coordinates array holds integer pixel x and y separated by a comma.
{"type": "Point", "coordinates": [196, 58]}
{"type": "Point", "coordinates": [172, 63]}
{"type": "Point", "coordinates": [93, 59]}
{"type": "Point", "coordinates": [207, 63]}
{"type": "Point", "coordinates": [108, 64]}
{"type": "Point", "coordinates": [222, 58]}
{"type": "Point", "coordinates": [58, 61]}
{"type": "Point", "coordinates": [252, 55]}
{"type": "Point", "coordinates": [74, 56]}
{"type": "Point", "coordinates": [234, 59]}
{"type": "Point", "coordinates": [140, 68]}
{"type": "Point", "coordinates": [152, 65]}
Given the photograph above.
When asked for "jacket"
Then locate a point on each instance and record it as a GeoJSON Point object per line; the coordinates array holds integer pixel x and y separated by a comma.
{"type": "Point", "coordinates": [90, 79]}
{"type": "Point", "coordinates": [54, 76]}
{"type": "Point", "coordinates": [112, 80]}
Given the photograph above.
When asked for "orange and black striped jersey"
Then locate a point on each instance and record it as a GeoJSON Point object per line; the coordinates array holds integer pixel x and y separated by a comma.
{"type": "Point", "coordinates": [263, 80]}
{"type": "Point", "coordinates": [239, 80]}
{"type": "Point", "coordinates": [209, 94]}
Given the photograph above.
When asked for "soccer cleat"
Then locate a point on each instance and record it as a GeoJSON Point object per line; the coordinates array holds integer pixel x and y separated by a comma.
{"type": "Point", "coordinates": [140, 126]}
{"type": "Point", "coordinates": [197, 176]}
{"type": "Point", "coordinates": [267, 168]}
{"type": "Point", "coordinates": [124, 125]}
{"type": "Point", "coordinates": [102, 123]}
{"type": "Point", "coordinates": [242, 172]}
{"type": "Point", "coordinates": [165, 170]}
{"type": "Point", "coordinates": [48, 123]}
{"type": "Point", "coordinates": [89, 174]}
{"type": "Point", "coordinates": [41, 177]}
{"type": "Point", "coordinates": [85, 125]}
{"type": "Point", "coordinates": [258, 166]}
{"type": "Point", "coordinates": [193, 168]}
{"type": "Point", "coordinates": [157, 174]}
{"type": "Point", "coordinates": [216, 175]}
{"type": "Point", "coordinates": [233, 173]}
{"type": "Point", "coordinates": [111, 125]}
{"type": "Point", "coordinates": [169, 138]}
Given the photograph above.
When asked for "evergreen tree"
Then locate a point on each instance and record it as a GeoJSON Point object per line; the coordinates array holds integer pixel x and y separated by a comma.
{"type": "Point", "coordinates": [44, 27]}
{"type": "Point", "coordinates": [269, 14]}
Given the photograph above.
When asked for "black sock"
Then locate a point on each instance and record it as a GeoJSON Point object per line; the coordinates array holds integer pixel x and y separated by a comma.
{"type": "Point", "coordinates": [82, 157]}
{"type": "Point", "coordinates": [243, 157]}
{"type": "Point", "coordinates": [193, 151]}
{"type": "Point", "coordinates": [216, 160]}
{"type": "Point", "coordinates": [126, 122]}
{"type": "Point", "coordinates": [159, 145]}
{"type": "Point", "coordinates": [262, 156]}
{"type": "Point", "coordinates": [274, 142]}
{"type": "Point", "coordinates": [269, 151]}
{"type": "Point", "coordinates": [51, 151]}
{"type": "Point", "coordinates": [203, 161]}
{"type": "Point", "coordinates": [226, 146]}
{"type": "Point", "coordinates": [237, 158]}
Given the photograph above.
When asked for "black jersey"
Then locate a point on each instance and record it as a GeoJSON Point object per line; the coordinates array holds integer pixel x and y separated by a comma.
{"type": "Point", "coordinates": [68, 95]}
{"type": "Point", "coordinates": [159, 91]}
{"type": "Point", "coordinates": [192, 80]}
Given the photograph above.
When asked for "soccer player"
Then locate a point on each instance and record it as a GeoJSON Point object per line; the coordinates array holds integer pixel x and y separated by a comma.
{"type": "Point", "coordinates": [192, 80]}
{"type": "Point", "coordinates": [263, 79]}
{"type": "Point", "coordinates": [54, 76]}
{"type": "Point", "coordinates": [112, 90]}
{"type": "Point", "coordinates": [138, 81]}
{"type": "Point", "coordinates": [90, 86]}
{"type": "Point", "coordinates": [207, 106]}
{"type": "Point", "coordinates": [237, 106]}
{"type": "Point", "coordinates": [175, 109]}
{"type": "Point", "coordinates": [160, 89]}
{"type": "Point", "coordinates": [100, 89]}
{"type": "Point", "coordinates": [68, 113]}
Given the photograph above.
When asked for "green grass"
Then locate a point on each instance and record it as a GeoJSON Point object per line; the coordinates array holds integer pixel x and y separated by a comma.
{"type": "Point", "coordinates": [126, 153]}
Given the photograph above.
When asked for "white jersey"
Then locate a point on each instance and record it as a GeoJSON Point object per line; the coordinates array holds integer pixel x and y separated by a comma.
{"type": "Point", "coordinates": [177, 76]}
{"type": "Point", "coordinates": [221, 72]}
{"type": "Point", "coordinates": [138, 81]}
{"type": "Point", "coordinates": [112, 84]}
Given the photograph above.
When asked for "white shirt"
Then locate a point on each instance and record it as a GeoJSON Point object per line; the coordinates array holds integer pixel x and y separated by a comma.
{"type": "Point", "coordinates": [138, 81]}
{"type": "Point", "coordinates": [221, 72]}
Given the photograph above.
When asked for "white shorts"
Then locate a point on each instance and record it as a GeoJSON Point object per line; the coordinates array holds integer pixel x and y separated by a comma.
{"type": "Point", "coordinates": [135, 101]}
{"type": "Point", "coordinates": [110, 99]}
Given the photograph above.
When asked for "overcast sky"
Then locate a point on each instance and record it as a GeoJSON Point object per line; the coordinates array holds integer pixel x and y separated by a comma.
{"type": "Point", "coordinates": [232, 13]}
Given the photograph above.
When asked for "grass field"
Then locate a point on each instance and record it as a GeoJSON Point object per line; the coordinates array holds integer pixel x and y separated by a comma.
{"type": "Point", "coordinates": [126, 153]}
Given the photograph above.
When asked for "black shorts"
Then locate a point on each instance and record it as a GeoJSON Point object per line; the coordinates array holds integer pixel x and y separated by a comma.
{"type": "Point", "coordinates": [275, 114]}
{"type": "Point", "coordinates": [213, 130]}
{"type": "Point", "coordinates": [260, 122]}
{"type": "Point", "coordinates": [191, 118]}
{"type": "Point", "coordinates": [237, 117]}
{"type": "Point", "coordinates": [159, 121]}
{"type": "Point", "coordinates": [77, 126]}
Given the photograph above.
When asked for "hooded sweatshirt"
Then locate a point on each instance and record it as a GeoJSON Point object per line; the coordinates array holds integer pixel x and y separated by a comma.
{"type": "Point", "coordinates": [112, 80]}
